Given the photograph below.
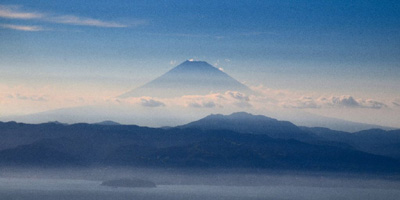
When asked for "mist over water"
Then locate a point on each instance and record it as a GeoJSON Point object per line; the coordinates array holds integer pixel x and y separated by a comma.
{"type": "Point", "coordinates": [193, 184]}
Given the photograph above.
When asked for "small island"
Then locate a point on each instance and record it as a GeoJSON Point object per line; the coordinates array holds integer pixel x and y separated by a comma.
{"type": "Point", "coordinates": [132, 183]}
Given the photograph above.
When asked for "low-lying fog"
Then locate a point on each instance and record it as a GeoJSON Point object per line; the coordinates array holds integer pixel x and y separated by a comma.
{"type": "Point", "coordinates": [193, 184]}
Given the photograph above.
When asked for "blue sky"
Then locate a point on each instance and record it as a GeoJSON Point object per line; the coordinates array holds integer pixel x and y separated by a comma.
{"type": "Point", "coordinates": [316, 48]}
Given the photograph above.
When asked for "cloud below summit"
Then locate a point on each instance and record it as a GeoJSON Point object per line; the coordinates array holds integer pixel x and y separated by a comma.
{"type": "Point", "coordinates": [344, 101]}
{"type": "Point", "coordinates": [19, 99]}
{"type": "Point", "coordinates": [302, 100]}
{"type": "Point", "coordinates": [148, 102]}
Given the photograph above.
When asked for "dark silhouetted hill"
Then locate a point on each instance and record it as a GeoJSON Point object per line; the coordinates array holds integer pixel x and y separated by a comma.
{"type": "Point", "coordinates": [243, 122]}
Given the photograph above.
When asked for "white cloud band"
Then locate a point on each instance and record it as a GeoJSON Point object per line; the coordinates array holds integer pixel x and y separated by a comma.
{"type": "Point", "coordinates": [15, 12]}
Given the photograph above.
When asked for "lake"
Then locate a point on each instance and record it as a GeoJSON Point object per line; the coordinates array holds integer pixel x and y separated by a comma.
{"type": "Point", "coordinates": [49, 189]}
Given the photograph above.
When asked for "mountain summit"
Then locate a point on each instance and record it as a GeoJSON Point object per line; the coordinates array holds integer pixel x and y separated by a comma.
{"type": "Point", "coordinates": [189, 78]}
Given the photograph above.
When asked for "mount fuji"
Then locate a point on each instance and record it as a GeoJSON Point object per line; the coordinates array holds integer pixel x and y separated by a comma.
{"type": "Point", "coordinates": [189, 78]}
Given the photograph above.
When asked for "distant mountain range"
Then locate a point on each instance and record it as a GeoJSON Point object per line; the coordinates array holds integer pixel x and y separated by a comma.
{"type": "Point", "coordinates": [239, 140]}
{"type": "Point", "coordinates": [189, 78]}
{"type": "Point", "coordinates": [160, 117]}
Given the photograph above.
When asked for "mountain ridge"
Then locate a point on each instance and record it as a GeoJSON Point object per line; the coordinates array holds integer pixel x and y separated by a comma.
{"type": "Point", "coordinates": [244, 122]}
{"type": "Point", "coordinates": [82, 144]}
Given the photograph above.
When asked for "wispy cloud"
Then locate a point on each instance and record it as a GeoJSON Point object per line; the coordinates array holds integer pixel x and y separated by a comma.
{"type": "Point", "coordinates": [303, 102]}
{"type": "Point", "coordinates": [27, 98]}
{"type": "Point", "coordinates": [186, 35]}
{"type": "Point", "coordinates": [209, 104]}
{"type": "Point", "coordinates": [351, 102]}
{"type": "Point", "coordinates": [21, 28]}
{"type": "Point", "coordinates": [16, 12]}
{"type": "Point", "coordinates": [257, 33]}
{"type": "Point", "coordinates": [74, 20]}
